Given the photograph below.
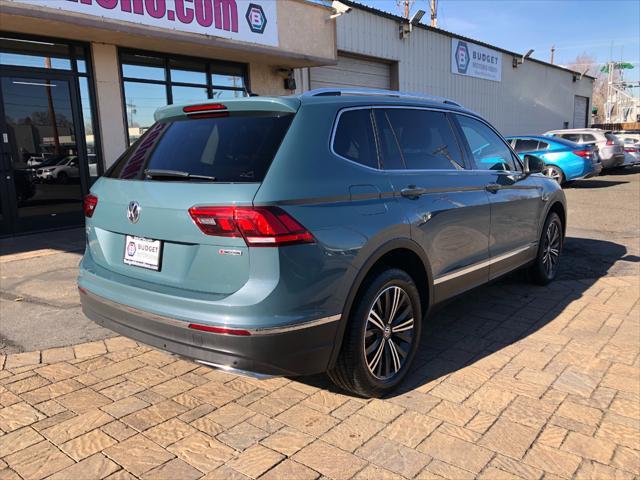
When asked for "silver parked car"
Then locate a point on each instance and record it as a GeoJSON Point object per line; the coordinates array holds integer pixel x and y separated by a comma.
{"type": "Point", "coordinates": [610, 148]}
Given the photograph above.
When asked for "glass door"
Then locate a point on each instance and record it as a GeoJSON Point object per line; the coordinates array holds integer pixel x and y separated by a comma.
{"type": "Point", "coordinates": [43, 163]}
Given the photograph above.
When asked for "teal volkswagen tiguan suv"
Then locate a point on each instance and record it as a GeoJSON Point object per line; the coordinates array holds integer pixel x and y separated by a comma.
{"type": "Point", "coordinates": [312, 233]}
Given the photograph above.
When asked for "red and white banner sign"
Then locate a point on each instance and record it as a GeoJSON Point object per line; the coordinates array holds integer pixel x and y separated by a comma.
{"type": "Point", "coordinates": [252, 21]}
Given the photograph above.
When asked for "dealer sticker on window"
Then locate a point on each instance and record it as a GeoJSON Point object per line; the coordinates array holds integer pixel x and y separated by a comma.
{"type": "Point", "coordinates": [142, 252]}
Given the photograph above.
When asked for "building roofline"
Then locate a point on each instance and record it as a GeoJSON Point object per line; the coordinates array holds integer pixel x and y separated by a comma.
{"type": "Point", "coordinates": [391, 16]}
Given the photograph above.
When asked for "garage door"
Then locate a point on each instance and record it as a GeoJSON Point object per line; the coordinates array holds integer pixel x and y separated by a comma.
{"type": "Point", "coordinates": [580, 106]}
{"type": "Point", "coordinates": [352, 72]}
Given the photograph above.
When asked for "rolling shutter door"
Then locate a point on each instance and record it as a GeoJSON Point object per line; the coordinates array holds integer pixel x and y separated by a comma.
{"type": "Point", "coordinates": [580, 105]}
{"type": "Point", "coordinates": [352, 72]}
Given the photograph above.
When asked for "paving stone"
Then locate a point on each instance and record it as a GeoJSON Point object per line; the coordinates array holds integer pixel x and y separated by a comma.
{"type": "Point", "coordinates": [169, 432]}
{"type": "Point", "coordinates": [287, 441]}
{"type": "Point", "coordinates": [453, 413]}
{"type": "Point", "coordinates": [343, 465]}
{"type": "Point", "coordinates": [255, 461]}
{"type": "Point", "coordinates": [289, 469]}
{"type": "Point", "coordinates": [16, 360]}
{"type": "Point", "coordinates": [277, 401]}
{"type": "Point", "coordinates": [18, 415]}
{"type": "Point", "coordinates": [138, 454]}
{"type": "Point", "coordinates": [410, 429]}
{"type": "Point", "coordinates": [529, 412]}
{"type": "Point", "coordinates": [172, 470]}
{"type": "Point", "coordinates": [459, 432]}
{"type": "Point", "coordinates": [509, 438]}
{"type": "Point", "coordinates": [481, 422]}
{"type": "Point", "coordinates": [242, 436]}
{"type": "Point", "coordinates": [554, 461]}
{"type": "Point", "coordinates": [352, 432]}
{"type": "Point", "coordinates": [307, 420]}
{"type": "Point", "coordinates": [451, 392]}
{"type": "Point", "coordinates": [456, 452]}
{"type": "Point", "coordinates": [265, 423]}
{"type": "Point", "coordinates": [50, 408]}
{"type": "Point", "coordinates": [516, 467]}
{"type": "Point", "coordinates": [324, 401]}
{"type": "Point", "coordinates": [490, 399]}
{"type": "Point", "coordinates": [27, 384]}
{"type": "Point", "coordinates": [124, 407]}
{"type": "Point", "coordinates": [587, 447]}
{"type": "Point", "coordinates": [122, 390]}
{"type": "Point", "coordinates": [627, 459]}
{"type": "Point", "coordinates": [202, 452]}
{"type": "Point", "coordinates": [58, 371]}
{"type": "Point", "coordinates": [118, 430]}
{"type": "Point", "coordinates": [574, 382]}
{"type": "Point", "coordinates": [172, 387]}
{"type": "Point", "coordinates": [225, 473]}
{"type": "Point", "coordinates": [38, 461]}
{"type": "Point", "coordinates": [51, 391]}
{"type": "Point", "coordinates": [18, 440]}
{"type": "Point", "coordinates": [55, 355]}
{"type": "Point", "coordinates": [381, 411]}
{"type": "Point", "coordinates": [492, 473]}
{"type": "Point", "coordinates": [153, 415]}
{"type": "Point", "coordinates": [76, 426]}
{"type": "Point", "coordinates": [119, 343]}
{"type": "Point", "coordinates": [579, 413]}
{"type": "Point", "coordinates": [625, 435]}
{"type": "Point", "coordinates": [89, 349]}
{"type": "Point", "coordinates": [230, 415]}
{"type": "Point", "coordinates": [590, 470]}
{"type": "Point", "coordinates": [87, 444]}
{"type": "Point", "coordinates": [552, 436]}
{"type": "Point", "coordinates": [94, 467]}
{"type": "Point", "coordinates": [393, 456]}
{"type": "Point", "coordinates": [438, 469]}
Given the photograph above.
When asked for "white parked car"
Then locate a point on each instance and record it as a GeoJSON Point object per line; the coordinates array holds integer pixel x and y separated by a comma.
{"type": "Point", "coordinates": [61, 172]}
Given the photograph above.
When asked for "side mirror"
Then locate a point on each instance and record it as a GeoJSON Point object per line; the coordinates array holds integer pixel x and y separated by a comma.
{"type": "Point", "coordinates": [533, 164]}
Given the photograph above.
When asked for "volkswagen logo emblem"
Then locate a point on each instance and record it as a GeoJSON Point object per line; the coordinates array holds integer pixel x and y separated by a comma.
{"type": "Point", "coordinates": [133, 212]}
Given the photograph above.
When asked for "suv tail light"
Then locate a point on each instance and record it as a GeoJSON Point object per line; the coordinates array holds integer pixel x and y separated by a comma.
{"type": "Point", "coordinates": [583, 153]}
{"type": "Point", "coordinates": [259, 226]}
{"type": "Point", "coordinates": [89, 204]}
{"type": "Point", "coordinates": [610, 142]}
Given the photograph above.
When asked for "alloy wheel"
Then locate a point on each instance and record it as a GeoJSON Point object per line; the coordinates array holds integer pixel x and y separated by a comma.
{"type": "Point", "coordinates": [551, 249]}
{"type": "Point", "coordinates": [389, 333]}
{"type": "Point", "coordinates": [552, 172]}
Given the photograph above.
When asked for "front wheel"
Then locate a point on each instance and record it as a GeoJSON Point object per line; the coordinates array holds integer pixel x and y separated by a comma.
{"type": "Point", "coordinates": [382, 336]}
{"type": "Point", "coordinates": [545, 266]}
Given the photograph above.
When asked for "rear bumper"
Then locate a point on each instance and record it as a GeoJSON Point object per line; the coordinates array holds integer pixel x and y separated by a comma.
{"type": "Point", "coordinates": [597, 168]}
{"type": "Point", "coordinates": [298, 349]}
{"type": "Point", "coordinates": [613, 161]}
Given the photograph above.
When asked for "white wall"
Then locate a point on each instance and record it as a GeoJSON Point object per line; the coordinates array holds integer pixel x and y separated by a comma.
{"type": "Point", "coordinates": [530, 99]}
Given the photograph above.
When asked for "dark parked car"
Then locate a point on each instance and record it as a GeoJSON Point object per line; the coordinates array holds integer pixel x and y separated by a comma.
{"type": "Point", "coordinates": [298, 235]}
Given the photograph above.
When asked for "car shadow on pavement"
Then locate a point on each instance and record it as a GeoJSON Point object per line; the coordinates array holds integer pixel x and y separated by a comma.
{"type": "Point", "coordinates": [68, 240]}
{"type": "Point", "coordinates": [593, 183]}
{"type": "Point", "coordinates": [490, 318]}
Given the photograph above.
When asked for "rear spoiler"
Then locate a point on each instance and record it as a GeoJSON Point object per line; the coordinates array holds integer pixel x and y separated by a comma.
{"type": "Point", "coordinates": [247, 104]}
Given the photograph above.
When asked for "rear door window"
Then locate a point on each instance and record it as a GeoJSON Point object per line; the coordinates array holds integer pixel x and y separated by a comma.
{"type": "Point", "coordinates": [587, 138]}
{"type": "Point", "coordinates": [236, 148]}
{"type": "Point", "coordinates": [488, 150]}
{"type": "Point", "coordinates": [526, 145]}
{"type": "Point", "coordinates": [417, 140]}
{"type": "Point", "coordinates": [354, 138]}
{"type": "Point", "coordinates": [573, 137]}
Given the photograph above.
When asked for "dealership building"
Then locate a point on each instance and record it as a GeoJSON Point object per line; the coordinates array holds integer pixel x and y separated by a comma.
{"type": "Point", "coordinates": [80, 79]}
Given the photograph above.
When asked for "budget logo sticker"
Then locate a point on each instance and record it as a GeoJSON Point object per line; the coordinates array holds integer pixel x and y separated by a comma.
{"type": "Point", "coordinates": [131, 249]}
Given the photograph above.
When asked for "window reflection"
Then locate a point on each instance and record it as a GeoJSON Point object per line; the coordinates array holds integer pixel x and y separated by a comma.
{"type": "Point", "coordinates": [93, 153]}
{"type": "Point", "coordinates": [141, 101]}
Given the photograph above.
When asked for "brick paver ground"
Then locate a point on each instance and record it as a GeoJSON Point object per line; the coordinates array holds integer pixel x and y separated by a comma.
{"type": "Point", "coordinates": [511, 382]}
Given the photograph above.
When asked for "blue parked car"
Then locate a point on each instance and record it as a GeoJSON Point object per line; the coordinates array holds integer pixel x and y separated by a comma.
{"type": "Point", "coordinates": [308, 234]}
{"type": "Point", "coordinates": [564, 160]}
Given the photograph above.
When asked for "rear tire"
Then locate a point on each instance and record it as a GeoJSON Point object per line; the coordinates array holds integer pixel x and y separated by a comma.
{"type": "Point", "coordinates": [545, 267]}
{"type": "Point", "coordinates": [554, 173]}
{"type": "Point", "coordinates": [381, 337]}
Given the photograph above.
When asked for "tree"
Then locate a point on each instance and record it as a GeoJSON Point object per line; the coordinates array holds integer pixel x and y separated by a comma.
{"type": "Point", "coordinates": [587, 64]}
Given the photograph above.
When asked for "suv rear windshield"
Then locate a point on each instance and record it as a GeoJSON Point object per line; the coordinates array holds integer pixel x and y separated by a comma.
{"type": "Point", "coordinates": [235, 148]}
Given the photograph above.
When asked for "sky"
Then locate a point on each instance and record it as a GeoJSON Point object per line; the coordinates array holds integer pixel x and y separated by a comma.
{"type": "Point", "coordinates": [604, 29]}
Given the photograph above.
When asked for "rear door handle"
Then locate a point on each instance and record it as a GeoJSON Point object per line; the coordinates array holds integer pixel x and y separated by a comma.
{"type": "Point", "coordinates": [412, 192]}
{"type": "Point", "coordinates": [492, 187]}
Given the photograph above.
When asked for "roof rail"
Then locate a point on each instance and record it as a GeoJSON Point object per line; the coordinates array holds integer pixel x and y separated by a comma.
{"type": "Point", "coordinates": [329, 92]}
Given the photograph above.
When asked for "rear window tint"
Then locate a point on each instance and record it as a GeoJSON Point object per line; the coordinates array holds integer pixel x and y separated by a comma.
{"type": "Point", "coordinates": [354, 138]}
{"type": "Point", "coordinates": [574, 137]}
{"type": "Point", "coordinates": [237, 148]}
{"type": "Point", "coordinates": [527, 145]}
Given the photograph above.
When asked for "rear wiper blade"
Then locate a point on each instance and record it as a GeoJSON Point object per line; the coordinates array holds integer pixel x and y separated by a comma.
{"type": "Point", "coordinates": [151, 173]}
